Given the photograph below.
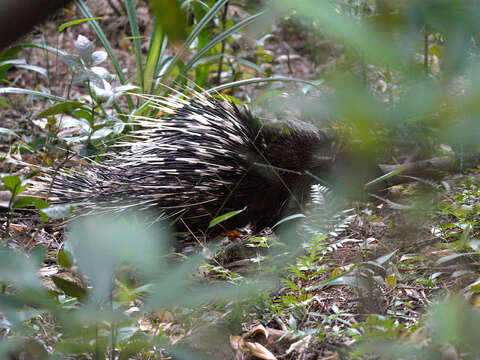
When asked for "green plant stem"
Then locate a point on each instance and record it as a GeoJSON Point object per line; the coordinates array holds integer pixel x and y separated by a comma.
{"type": "Point", "coordinates": [425, 49]}
{"type": "Point", "coordinates": [220, 62]}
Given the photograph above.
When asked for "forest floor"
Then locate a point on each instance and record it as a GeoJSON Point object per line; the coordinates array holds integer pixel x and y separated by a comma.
{"type": "Point", "coordinates": [377, 269]}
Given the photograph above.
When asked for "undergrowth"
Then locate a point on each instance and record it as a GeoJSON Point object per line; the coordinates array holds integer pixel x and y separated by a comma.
{"type": "Point", "coordinates": [395, 278]}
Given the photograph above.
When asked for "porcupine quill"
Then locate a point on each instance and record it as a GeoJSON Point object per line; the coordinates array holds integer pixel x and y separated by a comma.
{"type": "Point", "coordinates": [204, 157]}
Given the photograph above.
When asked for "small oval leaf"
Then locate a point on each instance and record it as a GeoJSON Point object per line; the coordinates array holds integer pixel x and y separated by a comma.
{"type": "Point", "coordinates": [64, 258]}
{"type": "Point", "coordinates": [69, 287]}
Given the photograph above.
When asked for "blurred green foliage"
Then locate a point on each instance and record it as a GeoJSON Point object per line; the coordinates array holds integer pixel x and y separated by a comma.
{"type": "Point", "coordinates": [405, 79]}
{"type": "Point", "coordinates": [423, 52]}
{"type": "Point", "coordinates": [118, 263]}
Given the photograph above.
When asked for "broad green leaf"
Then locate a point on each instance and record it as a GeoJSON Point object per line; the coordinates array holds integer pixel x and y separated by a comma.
{"type": "Point", "coordinates": [64, 258]}
{"type": "Point", "coordinates": [24, 201]}
{"type": "Point", "coordinates": [193, 35]}
{"type": "Point", "coordinates": [12, 183]}
{"type": "Point", "coordinates": [349, 280]}
{"type": "Point", "coordinates": [69, 287]}
{"type": "Point", "coordinates": [60, 109]}
{"type": "Point", "coordinates": [170, 17]}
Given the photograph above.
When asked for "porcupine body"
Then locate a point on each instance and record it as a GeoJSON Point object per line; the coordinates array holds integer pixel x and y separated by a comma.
{"type": "Point", "coordinates": [207, 158]}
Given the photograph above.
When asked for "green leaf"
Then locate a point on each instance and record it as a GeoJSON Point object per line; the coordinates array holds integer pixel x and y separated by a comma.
{"type": "Point", "coordinates": [76, 22]}
{"type": "Point", "coordinates": [13, 62]}
{"type": "Point", "coordinates": [288, 218]}
{"type": "Point", "coordinates": [218, 40]}
{"type": "Point", "coordinates": [64, 258]}
{"type": "Point", "coordinates": [170, 17]}
{"type": "Point", "coordinates": [38, 69]}
{"type": "Point", "coordinates": [24, 201]}
{"type": "Point", "coordinates": [12, 90]}
{"type": "Point", "coordinates": [349, 280]}
{"type": "Point", "coordinates": [69, 287]}
{"type": "Point", "coordinates": [385, 176]}
{"type": "Point", "coordinates": [239, 83]}
{"type": "Point", "coordinates": [22, 64]}
{"type": "Point", "coordinates": [83, 114]}
{"type": "Point", "coordinates": [383, 259]}
{"type": "Point", "coordinates": [7, 132]}
{"type": "Point", "coordinates": [152, 58]}
{"type": "Point", "coordinates": [132, 19]}
{"type": "Point", "coordinates": [12, 183]}
{"type": "Point", "coordinates": [448, 258]}
{"type": "Point", "coordinates": [193, 35]}
{"type": "Point", "coordinates": [60, 109]}
{"type": "Point", "coordinates": [46, 47]}
{"type": "Point", "coordinates": [224, 217]}
{"type": "Point", "coordinates": [40, 204]}
{"type": "Point", "coordinates": [4, 104]}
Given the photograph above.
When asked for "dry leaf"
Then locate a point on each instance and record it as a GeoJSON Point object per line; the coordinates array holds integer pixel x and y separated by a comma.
{"type": "Point", "coordinates": [236, 342]}
{"type": "Point", "coordinates": [300, 346]}
{"type": "Point", "coordinates": [257, 329]}
{"type": "Point", "coordinates": [259, 351]}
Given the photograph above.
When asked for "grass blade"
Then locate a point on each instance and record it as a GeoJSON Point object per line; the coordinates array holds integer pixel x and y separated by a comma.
{"type": "Point", "coordinates": [132, 19]}
{"type": "Point", "coordinates": [218, 40]}
{"type": "Point", "coordinates": [256, 81]}
{"type": "Point", "coordinates": [12, 90]}
{"type": "Point", "coordinates": [193, 35]}
{"type": "Point", "coordinates": [153, 58]}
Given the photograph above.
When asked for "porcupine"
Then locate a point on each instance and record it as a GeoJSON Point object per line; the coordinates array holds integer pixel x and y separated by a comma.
{"type": "Point", "coordinates": [203, 158]}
